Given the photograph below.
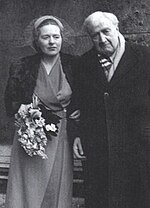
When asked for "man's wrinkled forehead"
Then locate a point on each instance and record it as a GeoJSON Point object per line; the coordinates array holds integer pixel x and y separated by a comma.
{"type": "Point", "coordinates": [99, 22]}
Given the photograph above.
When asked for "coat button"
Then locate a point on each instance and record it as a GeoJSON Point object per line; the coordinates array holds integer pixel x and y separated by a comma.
{"type": "Point", "coordinates": [106, 94]}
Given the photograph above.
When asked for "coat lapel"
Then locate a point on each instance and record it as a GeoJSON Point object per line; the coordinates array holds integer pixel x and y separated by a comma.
{"type": "Point", "coordinates": [128, 62]}
{"type": "Point", "coordinates": [34, 65]}
{"type": "Point", "coordinates": [67, 64]}
{"type": "Point", "coordinates": [94, 70]}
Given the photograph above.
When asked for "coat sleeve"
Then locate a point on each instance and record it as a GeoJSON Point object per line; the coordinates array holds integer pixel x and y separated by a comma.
{"type": "Point", "coordinates": [74, 105]}
{"type": "Point", "coordinates": [73, 125]}
{"type": "Point", "coordinates": [75, 100]}
{"type": "Point", "coordinates": [12, 98]}
{"type": "Point", "coordinates": [79, 97]}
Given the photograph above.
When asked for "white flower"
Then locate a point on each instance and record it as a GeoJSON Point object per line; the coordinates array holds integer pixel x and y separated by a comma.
{"type": "Point", "coordinates": [35, 113]}
{"type": "Point", "coordinates": [35, 146]}
{"type": "Point", "coordinates": [51, 127]}
{"type": "Point", "coordinates": [30, 130]}
{"type": "Point", "coordinates": [40, 122]}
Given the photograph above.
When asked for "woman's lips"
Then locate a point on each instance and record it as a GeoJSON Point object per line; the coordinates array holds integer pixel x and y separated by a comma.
{"type": "Point", "coordinates": [51, 48]}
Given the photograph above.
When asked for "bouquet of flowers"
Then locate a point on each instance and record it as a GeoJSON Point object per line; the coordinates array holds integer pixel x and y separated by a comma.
{"type": "Point", "coordinates": [32, 130]}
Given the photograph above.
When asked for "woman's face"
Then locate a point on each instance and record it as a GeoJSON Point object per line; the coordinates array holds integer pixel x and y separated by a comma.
{"type": "Point", "coordinates": [49, 40]}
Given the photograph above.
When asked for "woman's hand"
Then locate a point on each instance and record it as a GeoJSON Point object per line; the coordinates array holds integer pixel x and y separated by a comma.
{"type": "Point", "coordinates": [77, 149]}
{"type": "Point", "coordinates": [35, 101]}
{"type": "Point", "coordinates": [75, 115]}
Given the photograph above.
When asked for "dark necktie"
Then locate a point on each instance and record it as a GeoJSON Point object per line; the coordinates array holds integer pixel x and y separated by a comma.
{"type": "Point", "coordinates": [106, 64]}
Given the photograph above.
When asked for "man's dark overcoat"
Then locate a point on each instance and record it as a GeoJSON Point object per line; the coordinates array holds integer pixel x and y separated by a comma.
{"type": "Point", "coordinates": [115, 129]}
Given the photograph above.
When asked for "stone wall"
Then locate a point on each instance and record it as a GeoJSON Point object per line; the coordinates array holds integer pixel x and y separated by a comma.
{"type": "Point", "coordinates": [15, 15]}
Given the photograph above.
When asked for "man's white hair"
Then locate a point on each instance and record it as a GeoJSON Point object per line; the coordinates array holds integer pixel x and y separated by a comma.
{"type": "Point", "coordinates": [99, 15]}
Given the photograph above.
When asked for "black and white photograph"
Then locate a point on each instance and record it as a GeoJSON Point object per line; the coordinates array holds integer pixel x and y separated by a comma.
{"type": "Point", "coordinates": [75, 104]}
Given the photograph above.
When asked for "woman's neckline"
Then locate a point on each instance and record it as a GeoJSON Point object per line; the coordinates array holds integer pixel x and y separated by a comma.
{"type": "Point", "coordinates": [49, 63]}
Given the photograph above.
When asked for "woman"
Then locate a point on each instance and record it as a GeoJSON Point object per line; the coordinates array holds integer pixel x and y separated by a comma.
{"type": "Point", "coordinates": [34, 182]}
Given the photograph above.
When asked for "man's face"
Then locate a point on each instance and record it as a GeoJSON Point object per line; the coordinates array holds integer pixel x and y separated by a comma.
{"type": "Point", "coordinates": [104, 35]}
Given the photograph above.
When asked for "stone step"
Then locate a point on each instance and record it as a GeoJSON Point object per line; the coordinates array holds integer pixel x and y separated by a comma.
{"type": "Point", "coordinates": [76, 202]}
{"type": "Point", "coordinates": [78, 188]}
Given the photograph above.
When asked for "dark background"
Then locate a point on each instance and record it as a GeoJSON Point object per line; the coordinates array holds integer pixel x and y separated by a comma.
{"type": "Point", "coordinates": [15, 15]}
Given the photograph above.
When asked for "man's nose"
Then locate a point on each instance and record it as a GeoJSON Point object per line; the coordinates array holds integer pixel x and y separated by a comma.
{"type": "Point", "coordinates": [102, 37]}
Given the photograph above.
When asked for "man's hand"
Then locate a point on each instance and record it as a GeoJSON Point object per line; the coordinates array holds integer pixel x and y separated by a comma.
{"type": "Point", "coordinates": [77, 149]}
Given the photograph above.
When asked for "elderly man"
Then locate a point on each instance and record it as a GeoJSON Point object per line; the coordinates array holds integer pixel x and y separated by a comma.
{"type": "Point", "coordinates": [113, 87]}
